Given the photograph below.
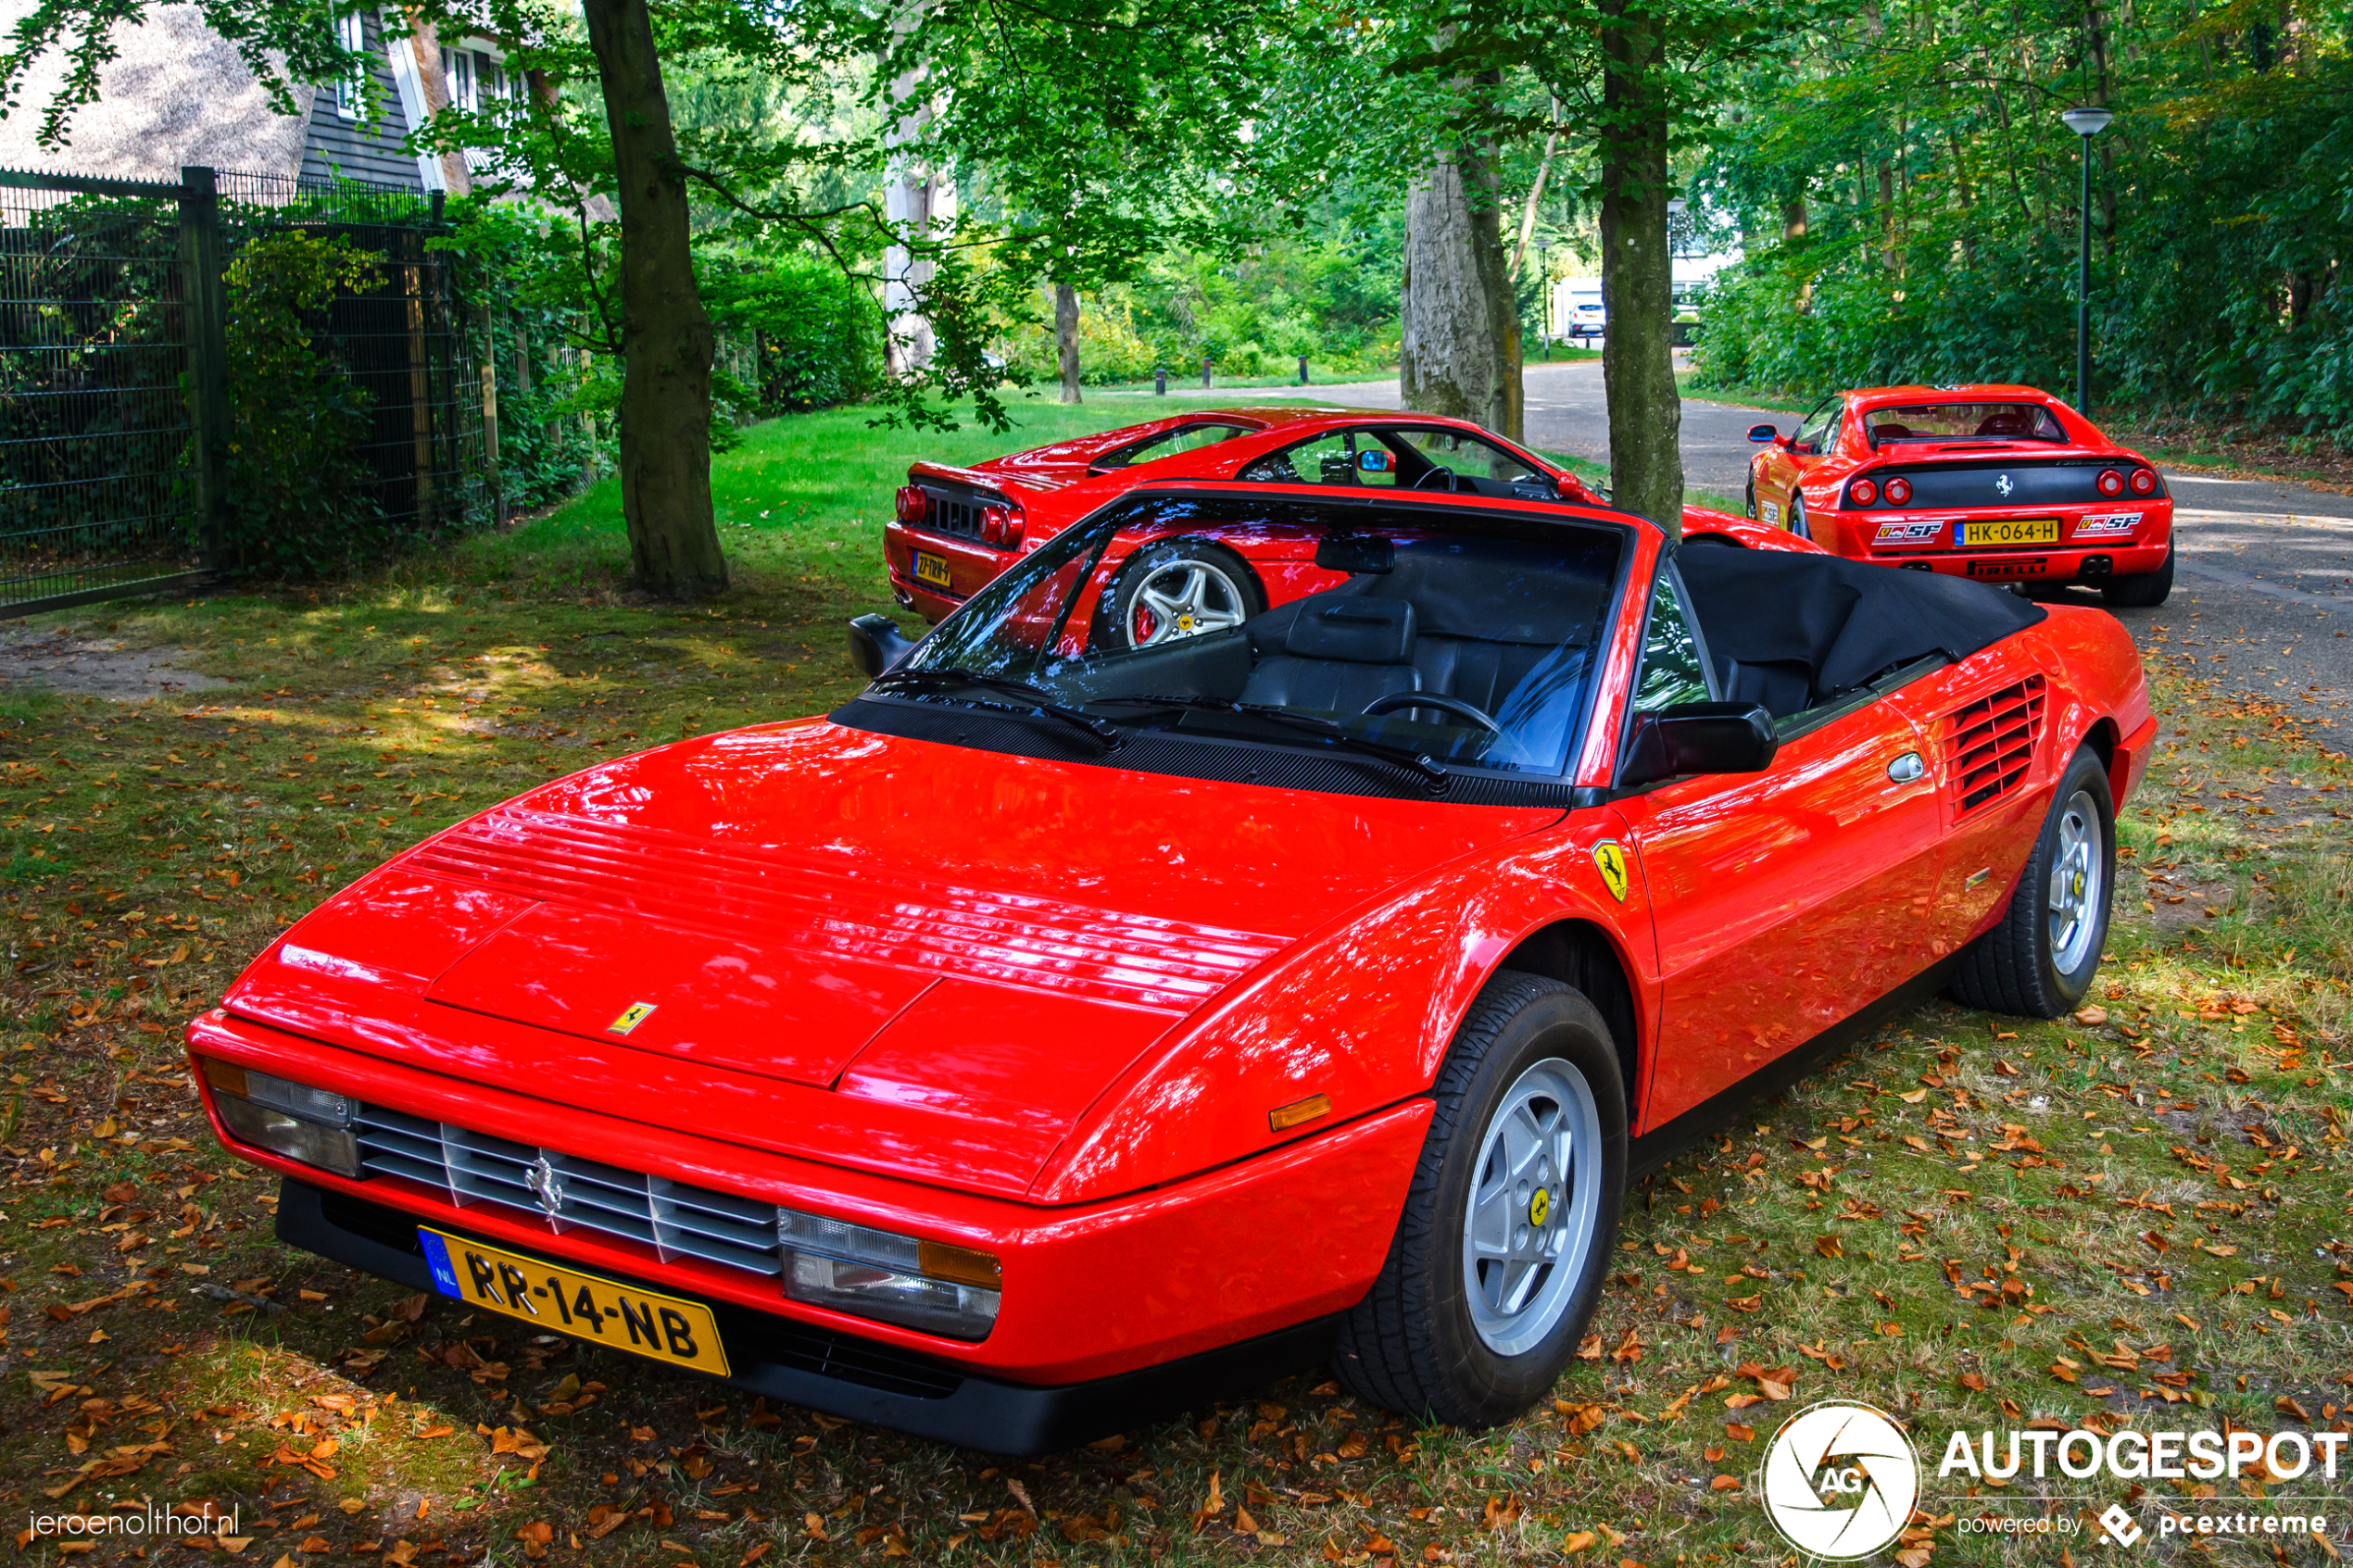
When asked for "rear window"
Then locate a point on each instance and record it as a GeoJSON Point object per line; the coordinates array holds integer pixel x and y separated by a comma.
{"type": "Point", "coordinates": [1963, 422]}
{"type": "Point", "coordinates": [1168, 443]}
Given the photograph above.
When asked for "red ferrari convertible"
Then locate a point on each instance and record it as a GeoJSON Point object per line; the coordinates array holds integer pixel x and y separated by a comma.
{"type": "Point", "coordinates": [1063, 1033]}
{"type": "Point", "coordinates": [1996, 482]}
{"type": "Point", "coordinates": [956, 529]}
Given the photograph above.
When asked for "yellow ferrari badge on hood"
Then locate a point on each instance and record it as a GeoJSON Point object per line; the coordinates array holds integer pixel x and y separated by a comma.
{"type": "Point", "coordinates": [1609, 858]}
{"type": "Point", "coordinates": [638, 1012]}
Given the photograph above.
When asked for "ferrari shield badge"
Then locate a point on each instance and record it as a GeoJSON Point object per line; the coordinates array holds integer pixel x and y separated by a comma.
{"type": "Point", "coordinates": [638, 1012]}
{"type": "Point", "coordinates": [1609, 858]}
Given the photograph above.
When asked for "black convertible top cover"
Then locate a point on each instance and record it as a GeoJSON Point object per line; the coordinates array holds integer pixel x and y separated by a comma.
{"type": "Point", "coordinates": [1846, 621]}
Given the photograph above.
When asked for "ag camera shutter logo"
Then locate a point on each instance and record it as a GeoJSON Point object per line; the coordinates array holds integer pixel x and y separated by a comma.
{"type": "Point", "coordinates": [1839, 1481]}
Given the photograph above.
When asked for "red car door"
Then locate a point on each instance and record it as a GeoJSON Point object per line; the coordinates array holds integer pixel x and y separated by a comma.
{"type": "Point", "coordinates": [1782, 902]}
{"type": "Point", "coordinates": [1788, 463]}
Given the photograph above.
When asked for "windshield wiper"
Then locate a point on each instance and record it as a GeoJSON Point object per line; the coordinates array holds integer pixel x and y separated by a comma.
{"type": "Point", "coordinates": [1045, 702]}
{"type": "Point", "coordinates": [1419, 762]}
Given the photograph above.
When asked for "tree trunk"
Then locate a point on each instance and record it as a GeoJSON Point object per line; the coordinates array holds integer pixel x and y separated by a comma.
{"type": "Point", "coordinates": [1067, 338]}
{"type": "Point", "coordinates": [665, 337]}
{"type": "Point", "coordinates": [1794, 230]}
{"type": "Point", "coordinates": [1460, 354]}
{"type": "Point", "coordinates": [1637, 368]}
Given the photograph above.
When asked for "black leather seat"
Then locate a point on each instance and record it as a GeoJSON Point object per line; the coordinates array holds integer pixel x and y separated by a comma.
{"type": "Point", "coordinates": [1338, 654]}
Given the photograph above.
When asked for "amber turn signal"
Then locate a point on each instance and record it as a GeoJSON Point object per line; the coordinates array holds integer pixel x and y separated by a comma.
{"type": "Point", "coordinates": [940, 1260]}
{"type": "Point", "coordinates": [225, 1076]}
{"type": "Point", "coordinates": [1285, 1117]}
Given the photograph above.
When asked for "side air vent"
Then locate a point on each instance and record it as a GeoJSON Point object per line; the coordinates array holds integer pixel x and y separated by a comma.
{"type": "Point", "coordinates": [1991, 743]}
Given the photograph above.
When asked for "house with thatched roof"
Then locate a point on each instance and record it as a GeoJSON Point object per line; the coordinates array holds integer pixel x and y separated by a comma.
{"type": "Point", "coordinates": [178, 94]}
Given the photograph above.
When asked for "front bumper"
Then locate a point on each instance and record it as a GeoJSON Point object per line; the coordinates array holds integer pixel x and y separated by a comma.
{"type": "Point", "coordinates": [848, 1376]}
{"type": "Point", "coordinates": [1090, 1291]}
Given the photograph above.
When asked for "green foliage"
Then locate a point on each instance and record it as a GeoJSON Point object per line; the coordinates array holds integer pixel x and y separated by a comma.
{"type": "Point", "coordinates": [811, 336]}
{"type": "Point", "coordinates": [1921, 147]}
{"type": "Point", "coordinates": [299, 498]}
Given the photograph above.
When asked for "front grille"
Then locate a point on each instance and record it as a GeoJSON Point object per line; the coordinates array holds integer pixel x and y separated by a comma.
{"type": "Point", "coordinates": [1991, 742]}
{"type": "Point", "coordinates": [569, 1193]}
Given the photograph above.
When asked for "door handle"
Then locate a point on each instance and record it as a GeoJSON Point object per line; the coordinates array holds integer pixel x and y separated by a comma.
{"type": "Point", "coordinates": [1907, 768]}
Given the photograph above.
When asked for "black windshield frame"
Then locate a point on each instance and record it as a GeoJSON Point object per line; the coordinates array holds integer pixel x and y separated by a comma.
{"type": "Point", "coordinates": [1286, 760]}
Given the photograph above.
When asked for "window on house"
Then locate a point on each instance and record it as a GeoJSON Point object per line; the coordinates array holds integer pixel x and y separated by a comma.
{"type": "Point", "coordinates": [457, 70]}
{"type": "Point", "coordinates": [352, 92]}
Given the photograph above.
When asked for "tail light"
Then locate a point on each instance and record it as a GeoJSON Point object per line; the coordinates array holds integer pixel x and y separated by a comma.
{"type": "Point", "coordinates": [1899, 491]}
{"type": "Point", "coordinates": [1862, 492]}
{"type": "Point", "coordinates": [2111, 482]}
{"type": "Point", "coordinates": [1001, 525]}
{"type": "Point", "coordinates": [2144, 482]}
{"type": "Point", "coordinates": [912, 504]}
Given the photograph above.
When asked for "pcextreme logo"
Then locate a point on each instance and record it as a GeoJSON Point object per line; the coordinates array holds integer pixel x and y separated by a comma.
{"type": "Point", "coordinates": [1839, 1481]}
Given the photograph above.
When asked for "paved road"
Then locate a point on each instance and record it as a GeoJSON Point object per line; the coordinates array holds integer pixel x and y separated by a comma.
{"type": "Point", "coordinates": [2263, 596]}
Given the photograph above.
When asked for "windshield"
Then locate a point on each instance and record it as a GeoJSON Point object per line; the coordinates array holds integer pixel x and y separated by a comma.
{"type": "Point", "coordinates": [1963, 422]}
{"type": "Point", "coordinates": [1464, 640]}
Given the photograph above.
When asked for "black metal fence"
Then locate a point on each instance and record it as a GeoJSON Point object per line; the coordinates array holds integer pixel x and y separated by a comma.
{"type": "Point", "coordinates": [115, 403]}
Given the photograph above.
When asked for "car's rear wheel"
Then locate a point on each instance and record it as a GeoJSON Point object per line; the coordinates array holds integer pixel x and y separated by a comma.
{"type": "Point", "coordinates": [1499, 1257]}
{"type": "Point", "coordinates": [1797, 516]}
{"type": "Point", "coordinates": [2145, 590]}
{"type": "Point", "coordinates": [2038, 962]}
{"type": "Point", "coordinates": [1179, 588]}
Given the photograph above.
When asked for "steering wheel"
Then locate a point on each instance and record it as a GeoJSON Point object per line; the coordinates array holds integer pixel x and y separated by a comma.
{"type": "Point", "coordinates": [1468, 713]}
{"type": "Point", "coordinates": [1424, 483]}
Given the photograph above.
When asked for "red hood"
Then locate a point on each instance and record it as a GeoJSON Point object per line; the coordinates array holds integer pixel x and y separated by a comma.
{"type": "Point", "coordinates": [881, 951]}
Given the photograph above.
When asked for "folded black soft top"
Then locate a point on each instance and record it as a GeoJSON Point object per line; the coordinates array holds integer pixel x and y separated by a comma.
{"type": "Point", "coordinates": [1845, 622]}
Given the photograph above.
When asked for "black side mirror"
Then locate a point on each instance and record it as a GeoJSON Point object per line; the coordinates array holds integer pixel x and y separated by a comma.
{"type": "Point", "coordinates": [1353, 553]}
{"type": "Point", "coordinates": [1699, 737]}
{"type": "Point", "coordinates": [876, 644]}
{"type": "Point", "coordinates": [1763, 434]}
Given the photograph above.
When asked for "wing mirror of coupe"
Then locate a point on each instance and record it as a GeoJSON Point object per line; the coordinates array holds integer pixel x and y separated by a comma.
{"type": "Point", "coordinates": [876, 644]}
{"type": "Point", "coordinates": [1764, 435]}
{"type": "Point", "coordinates": [1699, 737]}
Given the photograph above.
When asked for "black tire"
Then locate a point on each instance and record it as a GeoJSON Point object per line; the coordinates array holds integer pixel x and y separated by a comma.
{"type": "Point", "coordinates": [2016, 966]}
{"type": "Point", "coordinates": [1797, 516]}
{"type": "Point", "coordinates": [2143, 591]}
{"type": "Point", "coordinates": [1239, 595]}
{"type": "Point", "coordinates": [1752, 497]}
{"type": "Point", "coordinates": [1411, 1344]}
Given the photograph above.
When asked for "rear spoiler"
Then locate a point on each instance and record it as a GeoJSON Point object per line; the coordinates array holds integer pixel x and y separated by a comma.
{"type": "Point", "coordinates": [997, 484]}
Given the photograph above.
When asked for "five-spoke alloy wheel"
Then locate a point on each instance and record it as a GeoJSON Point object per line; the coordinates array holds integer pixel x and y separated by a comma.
{"type": "Point", "coordinates": [1180, 588]}
{"type": "Point", "coordinates": [2038, 960]}
{"type": "Point", "coordinates": [1498, 1256]}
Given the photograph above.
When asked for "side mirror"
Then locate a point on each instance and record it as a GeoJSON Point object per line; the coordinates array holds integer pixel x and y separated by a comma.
{"type": "Point", "coordinates": [876, 644]}
{"type": "Point", "coordinates": [1699, 737]}
{"type": "Point", "coordinates": [1762, 434]}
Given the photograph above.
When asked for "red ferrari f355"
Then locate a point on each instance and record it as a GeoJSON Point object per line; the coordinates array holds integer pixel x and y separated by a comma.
{"type": "Point", "coordinates": [2002, 484]}
{"type": "Point", "coordinates": [1063, 1031]}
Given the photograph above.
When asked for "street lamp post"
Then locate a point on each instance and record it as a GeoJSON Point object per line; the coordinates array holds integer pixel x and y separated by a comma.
{"type": "Point", "coordinates": [2086, 124]}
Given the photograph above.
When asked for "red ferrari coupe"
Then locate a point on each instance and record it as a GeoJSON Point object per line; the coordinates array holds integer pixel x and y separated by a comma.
{"type": "Point", "coordinates": [1063, 1032]}
{"type": "Point", "coordinates": [2001, 483]}
{"type": "Point", "coordinates": [956, 529]}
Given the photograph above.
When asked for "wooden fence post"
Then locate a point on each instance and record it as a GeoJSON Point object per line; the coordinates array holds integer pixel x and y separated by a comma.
{"type": "Point", "coordinates": [204, 311]}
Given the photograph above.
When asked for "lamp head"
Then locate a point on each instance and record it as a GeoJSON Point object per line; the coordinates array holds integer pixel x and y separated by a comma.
{"type": "Point", "coordinates": [2087, 122]}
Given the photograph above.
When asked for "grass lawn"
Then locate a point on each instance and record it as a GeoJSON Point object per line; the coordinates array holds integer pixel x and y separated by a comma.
{"type": "Point", "coordinates": [2134, 1217]}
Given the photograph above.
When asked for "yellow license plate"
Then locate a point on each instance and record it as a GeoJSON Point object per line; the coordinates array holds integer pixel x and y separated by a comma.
{"type": "Point", "coordinates": [590, 1307]}
{"type": "Point", "coordinates": [2012, 530]}
{"type": "Point", "coordinates": [932, 569]}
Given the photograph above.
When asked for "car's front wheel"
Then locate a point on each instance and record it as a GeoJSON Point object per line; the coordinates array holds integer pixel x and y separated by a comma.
{"type": "Point", "coordinates": [2039, 961]}
{"type": "Point", "coordinates": [1752, 497]}
{"type": "Point", "coordinates": [1499, 1255]}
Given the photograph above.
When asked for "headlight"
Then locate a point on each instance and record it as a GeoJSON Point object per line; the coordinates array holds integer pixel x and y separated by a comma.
{"type": "Point", "coordinates": [293, 1119]}
{"type": "Point", "coordinates": [899, 1279]}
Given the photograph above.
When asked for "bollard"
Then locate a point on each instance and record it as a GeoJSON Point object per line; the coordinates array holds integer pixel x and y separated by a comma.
{"type": "Point", "coordinates": [1303, 370]}
{"type": "Point", "coordinates": [1204, 370]}
{"type": "Point", "coordinates": [1159, 381]}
